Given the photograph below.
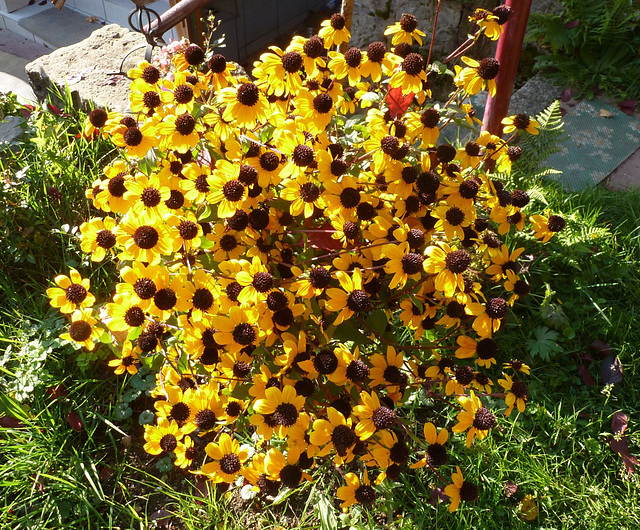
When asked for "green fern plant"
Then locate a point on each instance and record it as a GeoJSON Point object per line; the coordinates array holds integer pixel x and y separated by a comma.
{"type": "Point", "coordinates": [593, 47]}
{"type": "Point", "coordinates": [536, 149]}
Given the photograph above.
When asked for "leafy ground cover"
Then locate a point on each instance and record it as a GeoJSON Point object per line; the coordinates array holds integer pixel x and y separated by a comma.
{"type": "Point", "coordinates": [71, 455]}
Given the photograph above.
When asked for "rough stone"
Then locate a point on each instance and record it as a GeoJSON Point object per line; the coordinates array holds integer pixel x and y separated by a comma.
{"type": "Point", "coordinates": [88, 69]}
{"type": "Point", "coordinates": [371, 17]}
{"type": "Point", "coordinates": [11, 130]}
{"type": "Point", "coordinates": [534, 96]}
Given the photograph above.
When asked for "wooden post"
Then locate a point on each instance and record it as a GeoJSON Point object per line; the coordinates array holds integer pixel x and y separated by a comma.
{"type": "Point", "coordinates": [347, 13]}
{"type": "Point", "coordinates": [508, 55]}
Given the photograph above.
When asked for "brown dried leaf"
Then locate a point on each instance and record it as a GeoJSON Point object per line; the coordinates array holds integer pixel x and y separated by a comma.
{"type": "Point", "coordinates": [601, 347]}
{"type": "Point", "coordinates": [75, 421]}
{"type": "Point", "coordinates": [585, 375]}
{"type": "Point", "coordinates": [619, 423]}
{"type": "Point", "coordinates": [611, 370]}
{"type": "Point", "coordinates": [510, 489]}
{"type": "Point", "coordinates": [604, 113]}
{"type": "Point", "coordinates": [620, 445]}
{"type": "Point", "coordinates": [10, 423]}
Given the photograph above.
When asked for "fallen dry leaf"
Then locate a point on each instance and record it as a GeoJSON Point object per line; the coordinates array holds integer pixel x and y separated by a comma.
{"type": "Point", "coordinates": [528, 508]}
{"type": "Point", "coordinates": [604, 113]}
{"type": "Point", "coordinates": [92, 19]}
{"type": "Point", "coordinates": [619, 423]}
{"type": "Point", "coordinates": [75, 421]}
{"type": "Point", "coordinates": [611, 370]}
{"type": "Point", "coordinates": [510, 489]}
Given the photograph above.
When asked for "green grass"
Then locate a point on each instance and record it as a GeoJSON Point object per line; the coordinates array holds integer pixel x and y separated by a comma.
{"type": "Point", "coordinates": [585, 286]}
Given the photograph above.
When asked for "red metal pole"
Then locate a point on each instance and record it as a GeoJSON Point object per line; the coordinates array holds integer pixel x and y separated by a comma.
{"type": "Point", "coordinates": [508, 55]}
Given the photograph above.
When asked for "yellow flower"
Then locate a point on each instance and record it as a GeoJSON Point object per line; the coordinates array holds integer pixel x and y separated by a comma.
{"type": "Point", "coordinates": [245, 104]}
{"type": "Point", "coordinates": [372, 416]}
{"type": "Point", "coordinates": [334, 31]}
{"type": "Point", "coordinates": [475, 417]}
{"type": "Point", "coordinates": [82, 329]}
{"type": "Point", "coordinates": [335, 432]}
{"type": "Point", "coordinates": [405, 30]}
{"type": "Point", "coordinates": [284, 406]}
{"type": "Point", "coordinates": [520, 122]}
{"type": "Point", "coordinates": [142, 238]}
{"type": "Point", "coordinates": [460, 490]}
{"type": "Point", "coordinates": [488, 317]}
{"type": "Point", "coordinates": [448, 264]}
{"type": "Point", "coordinates": [545, 226]}
{"type": "Point", "coordinates": [162, 438]}
{"type": "Point", "coordinates": [517, 394]}
{"type": "Point", "coordinates": [126, 359]}
{"type": "Point", "coordinates": [436, 454]}
{"type": "Point", "coordinates": [350, 299]}
{"type": "Point", "coordinates": [98, 237]}
{"type": "Point", "coordinates": [228, 459]}
{"type": "Point", "coordinates": [238, 330]}
{"type": "Point", "coordinates": [356, 492]}
{"type": "Point", "coordinates": [403, 264]}
{"type": "Point", "coordinates": [477, 75]}
{"type": "Point", "coordinates": [72, 292]}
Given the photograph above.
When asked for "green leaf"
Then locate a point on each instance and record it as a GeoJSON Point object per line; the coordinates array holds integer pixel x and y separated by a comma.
{"type": "Point", "coordinates": [377, 321]}
{"type": "Point", "coordinates": [153, 362]}
{"type": "Point", "coordinates": [544, 344]}
{"type": "Point", "coordinates": [326, 512]}
{"type": "Point", "coordinates": [347, 331]}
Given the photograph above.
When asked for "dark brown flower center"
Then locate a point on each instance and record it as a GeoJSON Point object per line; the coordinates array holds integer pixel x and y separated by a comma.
{"type": "Point", "coordinates": [412, 263]}
{"type": "Point", "coordinates": [383, 418]}
{"type": "Point", "coordinates": [150, 197]}
{"type": "Point", "coordinates": [145, 288]}
{"type": "Point", "coordinates": [269, 161]}
{"type": "Point", "coordinates": [302, 155]}
{"type": "Point", "coordinates": [556, 223]}
{"type": "Point", "coordinates": [218, 63]}
{"type": "Point", "coordinates": [248, 94]}
{"type": "Point", "coordinates": [185, 124]}
{"type": "Point", "coordinates": [349, 197]}
{"type": "Point", "coordinates": [205, 419]}
{"type": "Point", "coordinates": [134, 317]}
{"type": "Point", "coordinates": [233, 190]}
{"type": "Point", "coordinates": [458, 261]}
{"type": "Point", "coordinates": [75, 293]}
{"type": "Point", "coordinates": [413, 64]}
{"type": "Point", "coordinates": [337, 21]}
{"type": "Point", "coordinates": [146, 237]}
{"type": "Point", "coordinates": [323, 103]}
{"type": "Point", "coordinates": [165, 299]}
{"type": "Point", "coordinates": [454, 216]}
{"type": "Point", "coordinates": [376, 51]}
{"type": "Point", "coordinates": [151, 75]}
{"type": "Point", "coordinates": [98, 117]}
{"type": "Point", "coordinates": [286, 414]}
{"type": "Point", "coordinates": [497, 308]}
{"type": "Point", "coordinates": [80, 330]}
{"type": "Point", "coordinates": [358, 301]}
{"type": "Point", "coordinates": [244, 334]}
{"type": "Point", "coordinates": [313, 47]}
{"type": "Point", "coordinates": [183, 94]}
{"type": "Point", "coordinates": [168, 443]}
{"type": "Point", "coordinates": [488, 68]}
{"type": "Point", "coordinates": [194, 54]}
{"type": "Point", "coordinates": [132, 136]}
{"type": "Point", "coordinates": [292, 62]}
{"type": "Point", "coordinates": [230, 464]}
{"type": "Point", "coordinates": [484, 419]}
{"type": "Point", "coordinates": [353, 57]}
{"type": "Point", "coordinates": [408, 22]}
{"type": "Point", "coordinates": [343, 437]}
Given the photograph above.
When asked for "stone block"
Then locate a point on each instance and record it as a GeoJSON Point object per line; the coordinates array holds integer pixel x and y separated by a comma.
{"type": "Point", "coordinates": [87, 68]}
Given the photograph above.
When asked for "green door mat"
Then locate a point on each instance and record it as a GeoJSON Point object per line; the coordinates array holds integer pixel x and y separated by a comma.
{"type": "Point", "coordinates": [596, 145]}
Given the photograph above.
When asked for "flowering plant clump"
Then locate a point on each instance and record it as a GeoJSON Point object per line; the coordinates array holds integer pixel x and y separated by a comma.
{"type": "Point", "coordinates": [272, 233]}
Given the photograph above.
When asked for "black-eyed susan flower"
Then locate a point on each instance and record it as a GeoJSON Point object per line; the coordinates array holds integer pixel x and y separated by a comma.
{"type": "Point", "coordinates": [312, 51]}
{"type": "Point", "coordinates": [136, 140]}
{"type": "Point", "coordinates": [227, 457]}
{"type": "Point", "coordinates": [518, 366]}
{"type": "Point", "coordinates": [378, 61]}
{"type": "Point", "coordinates": [411, 75]}
{"type": "Point", "coordinates": [477, 76]}
{"type": "Point", "coordinates": [489, 316]}
{"type": "Point", "coordinates": [545, 226]}
{"type": "Point", "coordinates": [110, 195]}
{"type": "Point", "coordinates": [460, 489]}
{"type": "Point", "coordinates": [452, 220]}
{"type": "Point", "coordinates": [98, 237]}
{"type": "Point", "coordinates": [356, 491]}
{"type": "Point", "coordinates": [436, 453]}
{"type": "Point", "coordinates": [284, 407]}
{"type": "Point", "coordinates": [145, 71]}
{"type": "Point", "coordinates": [488, 22]}
{"type": "Point", "coordinates": [282, 71]}
{"type": "Point", "coordinates": [126, 312]}
{"type": "Point", "coordinates": [334, 31]}
{"type": "Point", "coordinates": [147, 195]}
{"type": "Point", "coordinates": [72, 292]}
{"type": "Point", "coordinates": [126, 359]}
{"type": "Point", "coordinates": [186, 453]}
{"type": "Point", "coordinates": [238, 330]}
{"type": "Point", "coordinates": [372, 415]}
{"type": "Point", "coordinates": [83, 329]}
{"type": "Point", "coordinates": [284, 469]}
{"type": "Point", "coordinates": [245, 104]}
{"type": "Point", "coordinates": [504, 261]}
{"type": "Point", "coordinates": [475, 417]}
{"type": "Point", "coordinates": [350, 299]}
{"type": "Point", "coordinates": [449, 264]}
{"type": "Point", "coordinates": [219, 75]}
{"type": "Point", "coordinates": [520, 122]}
{"type": "Point", "coordinates": [178, 131]}
{"type": "Point", "coordinates": [143, 238]}
{"type": "Point", "coordinates": [162, 438]}
{"type": "Point", "coordinates": [177, 406]}
{"type": "Point", "coordinates": [335, 432]}
{"type": "Point", "coordinates": [403, 263]}
{"type": "Point", "coordinates": [517, 394]}
{"type": "Point", "coordinates": [405, 30]}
